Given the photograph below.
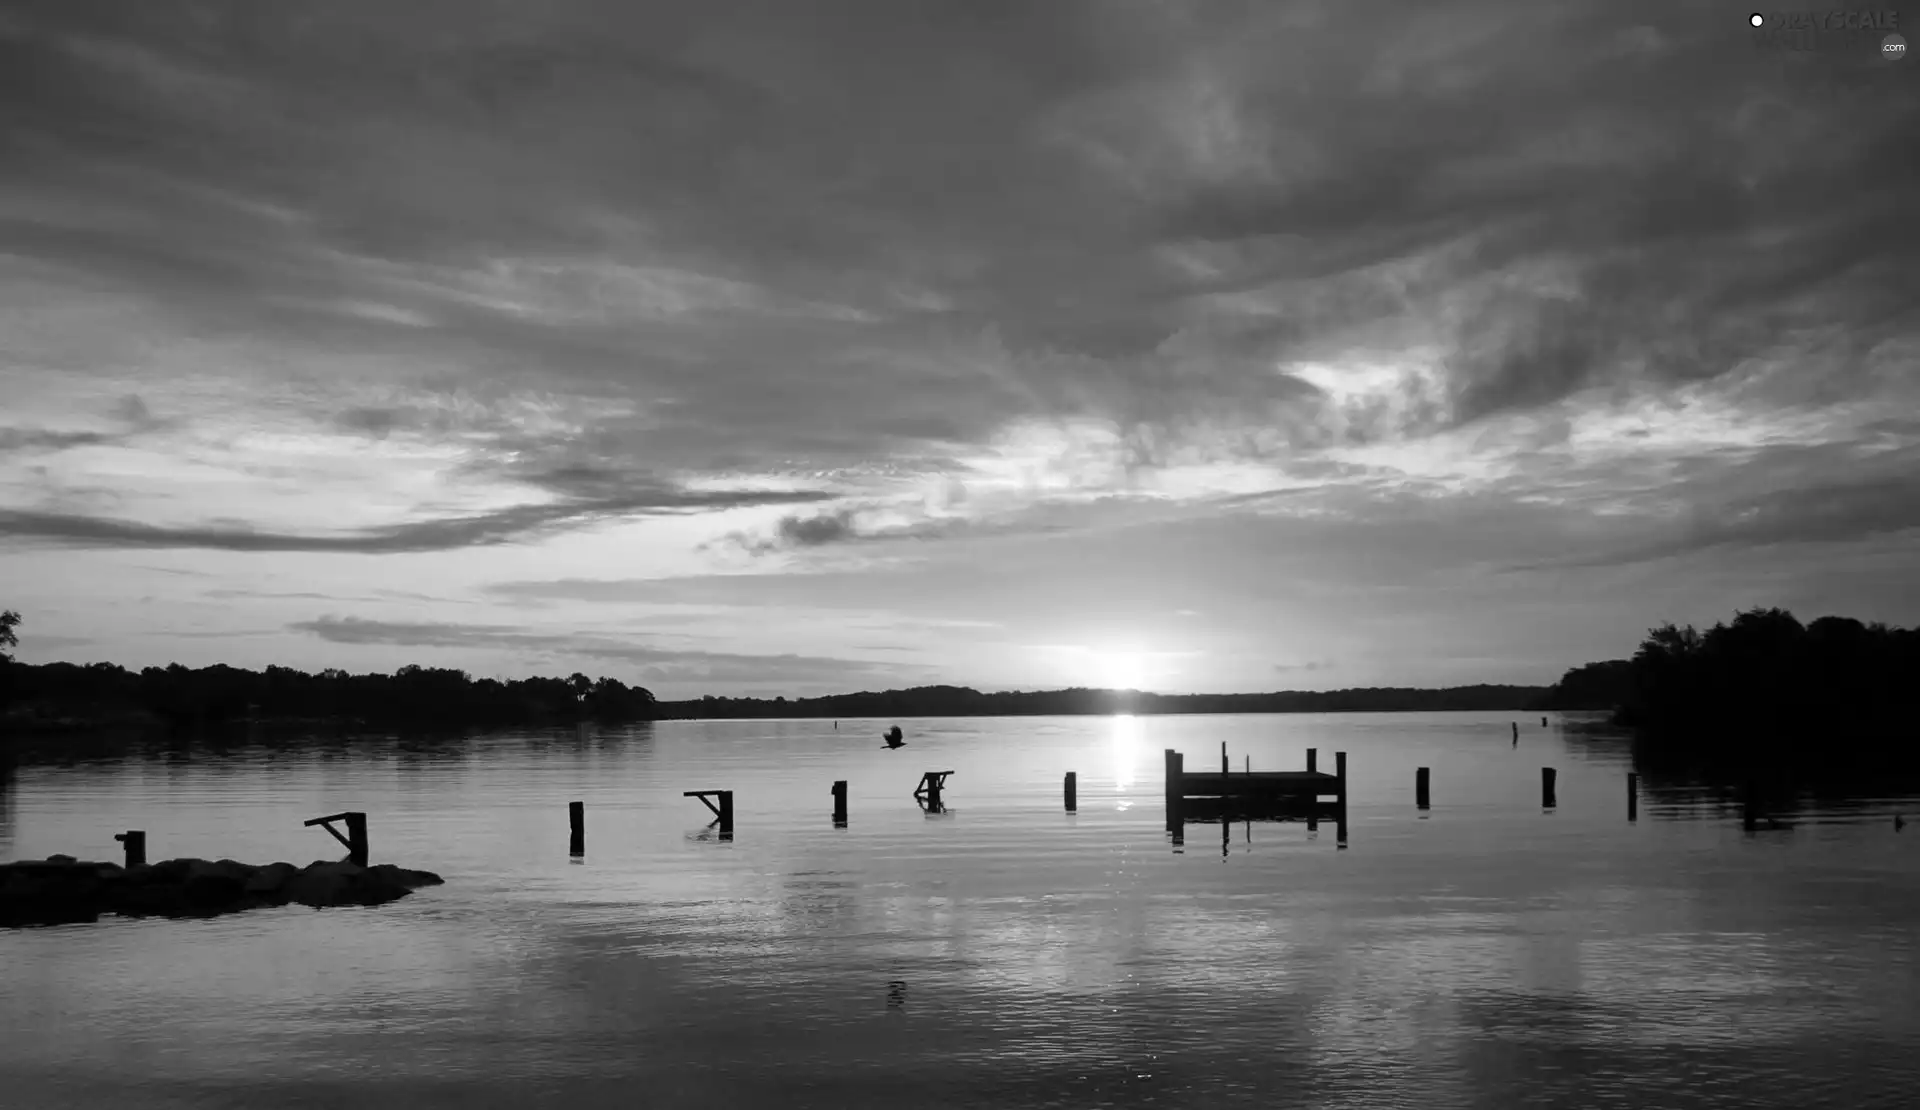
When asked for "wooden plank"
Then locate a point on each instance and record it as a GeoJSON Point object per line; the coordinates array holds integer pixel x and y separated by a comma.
{"type": "Point", "coordinates": [324, 820]}
{"type": "Point", "coordinates": [1303, 783]}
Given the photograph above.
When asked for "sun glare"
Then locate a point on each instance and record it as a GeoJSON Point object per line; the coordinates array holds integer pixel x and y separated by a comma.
{"type": "Point", "coordinates": [1122, 670]}
{"type": "Point", "coordinates": [1127, 741]}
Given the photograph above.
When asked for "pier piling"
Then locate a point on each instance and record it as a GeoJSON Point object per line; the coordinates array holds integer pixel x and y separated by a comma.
{"type": "Point", "coordinates": [135, 842]}
{"type": "Point", "coordinates": [1420, 796]}
{"type": "Point", "coordinates": [1633, 796]}
{"type": "Point", "coordinates": [1313, 759]}
{"type": "Point", "coordinates": [356, 837]}
{"type": "Point", "coordinates": [1176, 766]}
{"type": "Point", "coordinates": [1340, 772]}
{"type": "Point", "coordinates": [1073, 792]}
{"type": "Point", "coordinates": [1546, 787]}
{"type": "Point", "coordinates": [577, 828]}
{"type": "Point", "coordinates": [840, 803]}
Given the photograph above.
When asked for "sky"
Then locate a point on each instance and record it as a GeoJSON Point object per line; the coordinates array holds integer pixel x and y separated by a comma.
{"type": "Point", "coordinates": [784, 349]}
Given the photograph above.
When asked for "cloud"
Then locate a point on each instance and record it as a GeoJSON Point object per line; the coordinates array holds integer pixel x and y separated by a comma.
{"type": "Point", "coordinates": [651, 660]}
{"type": "Point", "coordinates": [509, 525]}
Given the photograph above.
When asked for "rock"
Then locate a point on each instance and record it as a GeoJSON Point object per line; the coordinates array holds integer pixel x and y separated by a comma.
{"type": "Point", "coordinates": [400, 876]}
{"type": "Point", "coordinates": [63, 889]}
{"type": "Point", "coordinates": [271, 878]}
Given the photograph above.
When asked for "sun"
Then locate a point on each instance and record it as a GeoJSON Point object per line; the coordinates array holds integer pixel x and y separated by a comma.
{"type": "Point", "coordinates": [1122, 670]}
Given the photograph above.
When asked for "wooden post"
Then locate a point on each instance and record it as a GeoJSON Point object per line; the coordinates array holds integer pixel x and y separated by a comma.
{"type": "Point", "coordinates": [1546, 787]}
{"type": "Point", "coordinates": [1633, 796]}
{"type": "Point", "coordinates": [1340, 772]}
{"type": "Point", "coordinates": [1313, 759]}
{"type": "Point", "coordinates": [840, 802]}
{"type": "Point", "coordinates": [357, 838]}
{"type": "Point", "coordinates": [1543, 722]}
{"type": "Point", "coordinates": [136, 845]}
{"type": "Point", "coordinates": [1420, 788]}
{"type": "Point", "coordinates": [1516, 732]}
{"type": "Point", "coordinates": [1225, 767]}
{"type": "Point", "coordinates": [577, 827]}
{"type": "Point", "coordinates": [1175, 769]}
{"type": "Point", "coordinates": [1073, 792]}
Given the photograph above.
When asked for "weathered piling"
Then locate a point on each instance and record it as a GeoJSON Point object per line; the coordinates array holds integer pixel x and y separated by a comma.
{"type": "Point", "coordinates": [1543, 722]}
{"type": "Point", "coordinates": [1546, 787]}
{"type": "Point", "coordinates": [1176, 766]}
{"type": "Point", "coordinates": [356, 837]}
{"type": "Point", "coordinates": [1420, 796]}
{"type": "Point", "coordinates": [1073, 792]}
{"type": "Point", "coordinates": [1633, 796]}
{"type": "Point", "coordinates": [135, 843]}
{"type": "Point", "coordinates": [577, 828]}
{"type": "Point", "coordinates": [1225, 767]}
{"type": "Point", "coordinates": [840, 802]}
{"type": "Point", "coordinates": [722, 813]}
{"type": "Point", "coordinates": [1340, 772]}
{"type": "Point", "coordinates": [1516, 732]}
{"type": "Point", "coordinates": [1313, 759]}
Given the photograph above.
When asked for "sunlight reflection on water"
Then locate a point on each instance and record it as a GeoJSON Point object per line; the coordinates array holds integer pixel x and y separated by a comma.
{"type": "Point", "coordinates": [1003, 954]}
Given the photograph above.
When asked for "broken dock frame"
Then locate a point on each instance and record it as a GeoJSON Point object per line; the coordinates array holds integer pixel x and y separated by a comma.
{"type": "Point", "coordinates": [928, 792]}
{"type": "Point", "coordinates": [722, 813]}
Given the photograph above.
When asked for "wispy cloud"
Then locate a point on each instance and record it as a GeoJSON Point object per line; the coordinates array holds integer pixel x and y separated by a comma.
{"type": "Point", "coordinates": [661, 662]}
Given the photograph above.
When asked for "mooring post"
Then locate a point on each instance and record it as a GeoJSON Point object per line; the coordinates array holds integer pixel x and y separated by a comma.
{"type": "Point", "coordinates": [1175, 769]}
{"type": "Point", "coordinates": [1546, 787]}
{"type": "Point", "coordinates": [726, 813]}
{"type": "Point", "coordinates": [1073, 792]}
{"type": "Point", "coordinates": [1543, 722]}
{"type": "Point", "coordinates": [1225, 767]}
{"type": "Point", "coordinates": [840, 802]}
{"type": "Point", "coordinates": [577, 828]}
{"type": "Point", "coordinates": [1420, 788]}
{"type": "Point", "coordinates": [1633, 796]}
{"type": "Point", "coordinates": [1313, 759]}
{"type": "Point", "coordinates": [1516, 732]}
{"type": "Point", "coordinates": [1340, 772]}
{"type": "Point", "coordinates": [136, 845]}
{"type": "Point", "coordinates": [357, 838]}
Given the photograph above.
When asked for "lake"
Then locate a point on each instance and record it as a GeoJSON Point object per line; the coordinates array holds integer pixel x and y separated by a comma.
{"type": "Point", "coordinates": [1005, 953]}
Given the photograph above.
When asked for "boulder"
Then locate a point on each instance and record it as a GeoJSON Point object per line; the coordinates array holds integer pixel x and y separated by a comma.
{"type": "Point", "coordinates": [63, 889]}
{"type": "Point", "coordinates": [270, 879]}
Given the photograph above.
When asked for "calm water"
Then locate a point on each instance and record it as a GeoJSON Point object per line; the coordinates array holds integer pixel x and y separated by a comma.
{"type": "Point", "coordinates": [1003, 954]}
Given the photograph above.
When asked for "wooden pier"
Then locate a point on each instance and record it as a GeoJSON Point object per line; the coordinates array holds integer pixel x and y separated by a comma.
{"type": "Point", "coordinates": [1226, 795]}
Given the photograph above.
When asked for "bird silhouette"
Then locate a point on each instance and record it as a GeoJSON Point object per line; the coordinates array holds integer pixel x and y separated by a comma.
{"type": "Point", "coordinates": [894, 738]}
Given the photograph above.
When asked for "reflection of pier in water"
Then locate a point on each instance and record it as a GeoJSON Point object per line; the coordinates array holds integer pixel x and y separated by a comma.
{"type": "Point", "coordinates": [1226, 796]}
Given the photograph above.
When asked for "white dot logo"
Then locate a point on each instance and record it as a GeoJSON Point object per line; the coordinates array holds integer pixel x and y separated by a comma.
{"type": "Point", "coordinates": [1756, 20]}
{"type": "Point", "coordinates": [1893, 48]}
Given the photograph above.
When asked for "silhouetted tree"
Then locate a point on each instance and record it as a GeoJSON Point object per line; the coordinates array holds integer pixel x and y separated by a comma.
{"type": "Point", "coordinates": [412, 695]}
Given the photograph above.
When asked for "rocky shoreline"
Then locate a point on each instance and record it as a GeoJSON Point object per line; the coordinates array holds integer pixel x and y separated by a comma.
{"type": "Point", "coordinates": [62, 890]}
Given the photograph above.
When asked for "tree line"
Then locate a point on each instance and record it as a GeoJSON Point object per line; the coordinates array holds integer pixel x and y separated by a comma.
{"type": "Point", "coordinates": [963, 701]}
{"type": "Point", "coordinates": [181, 696]}
{"type": "Point", "coordinates": [1764, 685]}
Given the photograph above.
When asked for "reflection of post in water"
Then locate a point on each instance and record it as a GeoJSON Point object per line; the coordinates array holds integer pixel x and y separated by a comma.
{"type": "Point", "coordinates": [896, 994]}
